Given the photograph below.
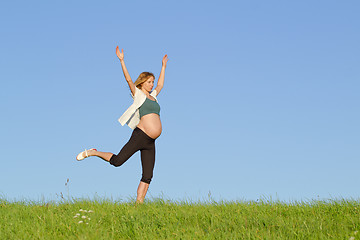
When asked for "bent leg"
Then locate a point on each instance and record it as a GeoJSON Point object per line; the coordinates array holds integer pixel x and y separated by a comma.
{"type": "Point", "coordinates": [126, 152]}
{"type": "Point", "coordinates": [104, 155]}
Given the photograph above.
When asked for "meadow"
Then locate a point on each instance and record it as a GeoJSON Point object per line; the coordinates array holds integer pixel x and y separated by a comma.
{"type": "Point", "coordinates": [165, 219]}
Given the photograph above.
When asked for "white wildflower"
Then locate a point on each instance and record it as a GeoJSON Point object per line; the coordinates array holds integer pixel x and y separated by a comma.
{"type": "Point", "coordinates": [90, 211]}
{"type": "Point", "coordinates": [83, 217]}
{"type": "Point", "coordinates": [75, 216]}
{"type": "Point", "coordinates": [81, 210]}
{"type": "Point", "coordinates": [78, 214]}
{"type": "Point", "coordinates": [352, 238]}
{"type": "Point", "coordinates": [89, 218]}
{"type": "Point", "coordinates": [87, 223]}
{"type": "Point", "coordinates": [80, 222]}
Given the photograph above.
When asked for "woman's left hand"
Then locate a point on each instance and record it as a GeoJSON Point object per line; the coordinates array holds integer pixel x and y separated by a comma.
{"type": "Point", "coordinates": [164, 60]}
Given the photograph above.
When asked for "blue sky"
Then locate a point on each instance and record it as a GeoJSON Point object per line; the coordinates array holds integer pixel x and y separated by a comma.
{"type": "Point", "coordinates": [261, 98]}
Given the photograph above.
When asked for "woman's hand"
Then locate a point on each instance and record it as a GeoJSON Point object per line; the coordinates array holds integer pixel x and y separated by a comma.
{"type": "Point", "coordinates": [119, 54]}
{"type": "Point", "coordinates": [164, 60]}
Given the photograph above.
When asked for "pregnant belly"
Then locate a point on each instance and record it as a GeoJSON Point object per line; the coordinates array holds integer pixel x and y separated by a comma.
{"type": "Point", "coordinates": [151, 125]}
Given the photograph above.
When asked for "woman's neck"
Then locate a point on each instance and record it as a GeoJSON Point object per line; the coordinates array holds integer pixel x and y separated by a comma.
{"type": "Point", "coordinates": [146, 92]}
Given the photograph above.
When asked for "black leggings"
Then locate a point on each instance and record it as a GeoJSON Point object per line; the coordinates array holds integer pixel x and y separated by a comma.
{"type": "Point", "coordinates": [138, 141]}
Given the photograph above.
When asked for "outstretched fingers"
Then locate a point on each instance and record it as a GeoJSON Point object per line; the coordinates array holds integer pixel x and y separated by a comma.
{"type": "Point", "coordinates": [119, 54]}
{"type": "Point", "coordinates": [165, 59]}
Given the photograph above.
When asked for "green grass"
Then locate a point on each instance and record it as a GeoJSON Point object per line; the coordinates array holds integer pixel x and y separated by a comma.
{"type": "Point", "coordinates": [163, 219]}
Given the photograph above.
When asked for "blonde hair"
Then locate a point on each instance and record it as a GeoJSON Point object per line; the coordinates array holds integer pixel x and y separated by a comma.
{"type": "Point", "coordinates": [142, 78]}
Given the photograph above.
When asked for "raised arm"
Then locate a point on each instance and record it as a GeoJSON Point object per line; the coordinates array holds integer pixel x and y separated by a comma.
{"type": "Point", "coordinates": [160, 83]}
{"type": "Point", "coordinates": [120, 55]}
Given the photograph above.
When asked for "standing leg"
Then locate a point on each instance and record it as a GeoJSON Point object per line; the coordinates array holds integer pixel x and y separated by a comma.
{"type": "Point", "coordinates": [141, 192]}
{"type": "Point", "coordinates": [148, 163]}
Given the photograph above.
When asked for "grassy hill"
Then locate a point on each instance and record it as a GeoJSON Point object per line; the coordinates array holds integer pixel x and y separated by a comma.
{"type": "Point", "coordinates": [162, 219]}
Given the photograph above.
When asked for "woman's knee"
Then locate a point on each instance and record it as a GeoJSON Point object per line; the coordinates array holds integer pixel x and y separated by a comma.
{"type": "Point", "coordinates": [117, 160]}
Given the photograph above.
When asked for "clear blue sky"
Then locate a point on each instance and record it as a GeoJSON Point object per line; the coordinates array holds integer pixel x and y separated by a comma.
{"type": "Point", "coordinates": [261, 98]}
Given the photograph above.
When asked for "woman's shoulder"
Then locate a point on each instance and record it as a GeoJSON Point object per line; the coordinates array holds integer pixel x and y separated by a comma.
{"type": "Point", "coordinates": [137, 92]}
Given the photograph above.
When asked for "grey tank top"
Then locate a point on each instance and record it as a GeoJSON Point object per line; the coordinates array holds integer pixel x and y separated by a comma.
{"type": "Point", "coordinates": [149, 106]}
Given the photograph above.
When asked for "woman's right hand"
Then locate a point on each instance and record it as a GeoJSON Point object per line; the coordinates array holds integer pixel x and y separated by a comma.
{"type": "Point", "coordinates": [119, 54]}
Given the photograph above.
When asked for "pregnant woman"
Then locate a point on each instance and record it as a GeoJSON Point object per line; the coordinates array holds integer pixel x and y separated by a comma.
{"type": "Point", "coordinates": [143, 116]}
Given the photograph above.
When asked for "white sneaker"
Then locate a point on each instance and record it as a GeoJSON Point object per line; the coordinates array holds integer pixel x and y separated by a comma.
{"type": "Point", "coordinates": [84, 154]}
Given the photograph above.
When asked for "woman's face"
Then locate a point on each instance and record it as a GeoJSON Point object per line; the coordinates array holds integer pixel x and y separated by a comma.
{"type": "Point", "coordinates": [148, 84]}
